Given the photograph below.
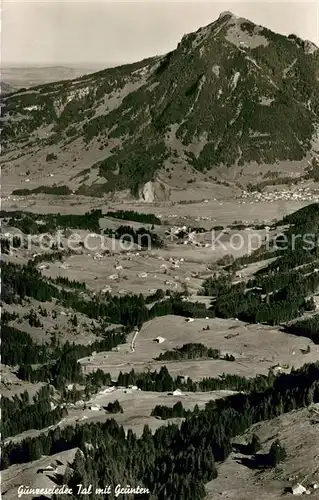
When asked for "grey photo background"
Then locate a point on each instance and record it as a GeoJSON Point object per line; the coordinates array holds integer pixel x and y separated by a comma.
{"type": "Point", "coordinates": [99, 34]}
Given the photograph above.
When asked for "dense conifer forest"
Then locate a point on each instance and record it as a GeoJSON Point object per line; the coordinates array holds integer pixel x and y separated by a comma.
{"type": "Point", "coordinates": [174, 462]}
{"type": "Point", "coordinates": [279, 292]}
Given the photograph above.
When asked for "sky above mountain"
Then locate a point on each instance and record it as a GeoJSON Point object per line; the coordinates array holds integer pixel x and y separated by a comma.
{"type": "Point", "coordinates": [85, 32]}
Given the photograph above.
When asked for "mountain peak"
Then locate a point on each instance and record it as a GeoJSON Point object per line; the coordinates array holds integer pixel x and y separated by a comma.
{"type": "Point", "coordinates": [231, 94]}
{"type": "Point", "coordinates": [227, 13]}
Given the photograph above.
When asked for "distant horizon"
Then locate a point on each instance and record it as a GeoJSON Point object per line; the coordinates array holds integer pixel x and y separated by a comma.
{"type": "Point", "coordinates": [83, 65]}
{"type": "Point", "coordinates": [58, 32]}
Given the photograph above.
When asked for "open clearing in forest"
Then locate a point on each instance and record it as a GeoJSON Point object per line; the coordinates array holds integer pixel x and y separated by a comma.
{"type": "Point", "coordinates": [137, 407]}
{"type": "Point", "coordinates": [256, 348]}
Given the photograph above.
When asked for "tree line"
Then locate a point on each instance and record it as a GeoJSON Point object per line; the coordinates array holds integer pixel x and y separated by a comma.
{"type": "Point", "coordinates": [25, 281]}
{"type": "Point", "coordinates": [31, 223]}
{"type": "Point", "coordinates": [175, 411]}
{"type": "Point", "coordinates": [134, 216]}
{"type": "Point", "coordinates": [192, 351]}
{"type": "Point", "coordinates": [308, 327]}
{"type": "Point", "coordinates": [20, 414]}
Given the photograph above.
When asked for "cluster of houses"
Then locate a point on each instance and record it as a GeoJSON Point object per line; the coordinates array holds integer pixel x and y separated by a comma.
{"type": "Point", "coordinates": [298, 194]}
